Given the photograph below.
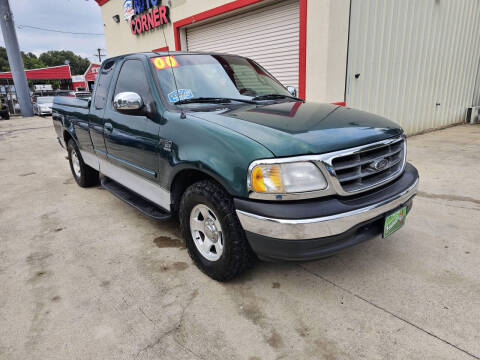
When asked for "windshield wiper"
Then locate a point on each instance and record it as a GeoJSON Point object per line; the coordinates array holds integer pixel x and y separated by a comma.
{"type": "Point", "coordinates": [275, 96]}
{"type": "Point", "coordinates": [211, 100]}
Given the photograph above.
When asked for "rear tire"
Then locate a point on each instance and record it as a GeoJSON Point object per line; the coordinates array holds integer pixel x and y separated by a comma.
{"type": "Point", "coordinates": [83, 174]}
{"type": "Point", "coordinates": [227, 252]}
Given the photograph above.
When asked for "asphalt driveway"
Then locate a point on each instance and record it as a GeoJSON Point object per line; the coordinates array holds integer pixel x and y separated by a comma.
{"type": "Point", "coordinates": [85, 276]}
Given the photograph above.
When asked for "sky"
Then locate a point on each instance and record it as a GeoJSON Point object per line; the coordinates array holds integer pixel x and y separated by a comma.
{"type": "Point", "coordinates": [65, 15]}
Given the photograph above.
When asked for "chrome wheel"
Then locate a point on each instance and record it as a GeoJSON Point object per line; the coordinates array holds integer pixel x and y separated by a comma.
{"type": "Point", "coordinates": [75, 163]}
{"type": "Point", "coordinates": [206, 232]}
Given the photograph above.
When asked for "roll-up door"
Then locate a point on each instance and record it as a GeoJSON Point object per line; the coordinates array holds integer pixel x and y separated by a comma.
{"type": "Point", "coordinates": [269, 35]}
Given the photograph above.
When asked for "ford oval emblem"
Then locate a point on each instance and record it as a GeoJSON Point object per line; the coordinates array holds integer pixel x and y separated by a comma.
{"type": "Point", "coordinates": [379, 164]}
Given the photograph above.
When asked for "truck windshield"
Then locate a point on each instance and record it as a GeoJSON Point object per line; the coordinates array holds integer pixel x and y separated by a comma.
{"type": "Point", "coordinates": [214, 76]}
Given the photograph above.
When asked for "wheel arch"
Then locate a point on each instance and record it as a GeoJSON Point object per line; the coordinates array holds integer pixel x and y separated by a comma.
{"type": "Point", "coordinates": [67, 136]}
{"type": "Point", "coordinates": [183, 179]}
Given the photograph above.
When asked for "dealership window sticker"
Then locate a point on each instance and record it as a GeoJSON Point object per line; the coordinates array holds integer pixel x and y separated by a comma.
{"type": "Point", "coordinates": [164, 62]}
{"type": "Point", "coordinates": [181, 94]}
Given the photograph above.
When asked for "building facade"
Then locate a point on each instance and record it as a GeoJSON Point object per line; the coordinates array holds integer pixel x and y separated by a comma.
{"type": "Point", "coordinates": [415, 62]}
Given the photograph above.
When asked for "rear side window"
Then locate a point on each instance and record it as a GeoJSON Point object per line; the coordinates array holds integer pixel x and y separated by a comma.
{"type": "Point", "coordinates": [132, 78]}
{"type": "Point", "coordinates": [102, 84]}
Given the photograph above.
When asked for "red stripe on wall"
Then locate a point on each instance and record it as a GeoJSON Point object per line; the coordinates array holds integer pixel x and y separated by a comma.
{"type": "Point", "coordinates": [231, 6]}
{"type": "Point", "coordinates": [165, 48]}
{"type": "Point", "coordinates": [302, 61]}
{"type": "Point", "coordinates": [234, 5]}
{"type": "Point", "coordinates": [101, 2]}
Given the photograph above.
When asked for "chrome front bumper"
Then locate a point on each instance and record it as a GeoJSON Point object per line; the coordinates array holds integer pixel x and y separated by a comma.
{"type": "Point", "coordinates": [301, 229]}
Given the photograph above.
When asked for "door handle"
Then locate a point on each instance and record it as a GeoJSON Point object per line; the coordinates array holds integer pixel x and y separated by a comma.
{"type": "Point", "coordinates": [108, 127]}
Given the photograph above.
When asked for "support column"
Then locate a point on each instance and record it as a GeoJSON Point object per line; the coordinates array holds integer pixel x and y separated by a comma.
{"type": "Point", "coordinates": [15, 59]}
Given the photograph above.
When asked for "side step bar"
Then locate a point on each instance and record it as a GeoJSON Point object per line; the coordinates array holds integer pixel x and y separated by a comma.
{"type": "Point", "coordinates": [146, 207]}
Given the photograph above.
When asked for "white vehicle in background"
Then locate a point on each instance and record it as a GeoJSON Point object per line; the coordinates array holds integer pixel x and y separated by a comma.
{"type": "Point", "coordinates": [42, 105]}
{"type": "Point", "coordinates": [46, 87]}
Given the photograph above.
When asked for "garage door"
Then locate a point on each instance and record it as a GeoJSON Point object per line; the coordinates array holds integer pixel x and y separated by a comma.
{"type": "Point", "coordinates": [269, 35]}
{"type": "Point", "coordinates": [414, 61]}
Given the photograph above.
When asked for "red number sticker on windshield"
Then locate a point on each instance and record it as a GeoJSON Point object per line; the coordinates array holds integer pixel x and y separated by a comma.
{"type": "Point", "coordinates": [164, 62]}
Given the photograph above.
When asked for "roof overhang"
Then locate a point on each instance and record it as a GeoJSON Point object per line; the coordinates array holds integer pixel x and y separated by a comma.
{"type": "Point", "coordinates": [50, 73]}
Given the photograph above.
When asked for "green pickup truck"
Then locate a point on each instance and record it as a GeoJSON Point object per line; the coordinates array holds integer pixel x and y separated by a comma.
{"type": "Point", "coordinates": [249, 170]}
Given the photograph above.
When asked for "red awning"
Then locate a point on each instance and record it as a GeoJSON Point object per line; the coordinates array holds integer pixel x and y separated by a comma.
{"type": "Point", "coordinates": [50, 73]}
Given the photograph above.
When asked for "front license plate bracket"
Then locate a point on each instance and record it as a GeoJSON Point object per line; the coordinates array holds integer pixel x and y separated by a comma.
{"type": "Point", "coordinates": [394, 221]}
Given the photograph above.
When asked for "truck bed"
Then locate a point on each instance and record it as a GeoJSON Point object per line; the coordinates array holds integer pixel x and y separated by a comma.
{"type": "Point", "coordinates": [67, 101]}
{"type": "Point", "coordinates": [71, 114]}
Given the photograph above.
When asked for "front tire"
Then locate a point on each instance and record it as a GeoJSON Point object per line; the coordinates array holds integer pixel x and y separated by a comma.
{"type": "Point", "coordinates": [83, 174]}
{"type": "Point", "coordinates": [214, 237]}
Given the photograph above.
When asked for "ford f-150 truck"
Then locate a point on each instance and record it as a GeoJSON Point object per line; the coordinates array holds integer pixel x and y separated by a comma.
{"type": "Point", "coordinates": [248, 169]}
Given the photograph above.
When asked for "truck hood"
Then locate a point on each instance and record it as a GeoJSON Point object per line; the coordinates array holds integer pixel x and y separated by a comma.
{"type": "Point", "coordinates": [297, 128]}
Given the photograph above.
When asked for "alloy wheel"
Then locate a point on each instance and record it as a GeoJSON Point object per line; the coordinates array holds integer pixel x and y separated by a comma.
{"type": "Point", "coordinates": [206, 232]}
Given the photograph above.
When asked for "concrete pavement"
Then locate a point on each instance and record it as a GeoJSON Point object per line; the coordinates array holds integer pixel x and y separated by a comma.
{"type": "Point", "coordinates": [85, 276]}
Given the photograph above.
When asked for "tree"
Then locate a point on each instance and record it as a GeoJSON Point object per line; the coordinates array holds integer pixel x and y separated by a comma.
{"type": "Point", "coordinates": [30, 60]}
{"type": "Point", "coordinates": [4, 66]}
{"type": "Point", "coordinates": [78, 65]}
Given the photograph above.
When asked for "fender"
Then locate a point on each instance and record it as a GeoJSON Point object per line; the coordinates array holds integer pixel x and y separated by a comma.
{"type": "Point", "coordinates": [218, 152]}
{"type": "Point", "coordinates": [68, 130]}
{"type": "Point", "coordinates": [200, 168]}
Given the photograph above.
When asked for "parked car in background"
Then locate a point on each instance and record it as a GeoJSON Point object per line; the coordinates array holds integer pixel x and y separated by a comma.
{"type": "Point", "coordinates": [69, 93]}
{"type": "Point", "coordinates": [72, 93]}
{"type": "Point", "coordinates": [247, 168]}
{"type": "Point", "coordinates": [4, 114]}
{"type": "Point", "coordinates": [36, 94]}
{"type": "Point", "coordinates": [42, 87]}
{"type": "Point", "coordinates": [42, 105]}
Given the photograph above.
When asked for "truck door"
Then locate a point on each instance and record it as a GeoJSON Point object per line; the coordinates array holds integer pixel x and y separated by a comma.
{"type": "Point", "coordinates": [132, 140]}
{"type": "Point", "coordinates": [97, 108]}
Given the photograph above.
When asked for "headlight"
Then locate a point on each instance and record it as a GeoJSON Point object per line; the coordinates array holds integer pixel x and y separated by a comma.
{"type": "Point", "coordinates": [283, 178]}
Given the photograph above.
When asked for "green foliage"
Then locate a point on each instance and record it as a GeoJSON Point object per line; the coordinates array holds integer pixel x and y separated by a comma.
{"type": "Point", "coordinates": [78, 65]}
{"type": "Point", "coordinates": [4, 66]}
{"type": "Point", "coordinates": [30, 61]}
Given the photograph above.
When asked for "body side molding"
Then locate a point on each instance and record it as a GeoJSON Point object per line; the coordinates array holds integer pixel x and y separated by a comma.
{"type": "Point", "coordinates": [149, 190]}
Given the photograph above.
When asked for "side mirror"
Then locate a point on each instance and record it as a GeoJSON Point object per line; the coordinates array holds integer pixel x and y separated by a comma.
{"type": "Point", "coordinates": [128, 102]}
{"type": "Point", "coordinates": [292, 90]}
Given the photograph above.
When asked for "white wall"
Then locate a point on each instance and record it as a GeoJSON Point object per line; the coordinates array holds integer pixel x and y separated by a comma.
{"type": "Point", "coordinates": [327, 38]}
{"type": "Point", "coordinates": [327, 42]}
{"type": "Point", "coordinates": [120, 40]}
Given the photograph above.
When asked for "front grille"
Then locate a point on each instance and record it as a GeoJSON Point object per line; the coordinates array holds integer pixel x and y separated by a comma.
{"type": "Point", "coordinates": [370, 167]}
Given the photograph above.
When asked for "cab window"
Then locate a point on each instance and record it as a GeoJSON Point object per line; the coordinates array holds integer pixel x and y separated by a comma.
{"type": "Point", "coordinates": [132, 78]}
{"type": "Point", "coordinates": [102, 84]}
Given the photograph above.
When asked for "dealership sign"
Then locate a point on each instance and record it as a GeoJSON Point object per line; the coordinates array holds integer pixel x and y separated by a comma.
{"type": "Point", "coordinates": [156, 14]}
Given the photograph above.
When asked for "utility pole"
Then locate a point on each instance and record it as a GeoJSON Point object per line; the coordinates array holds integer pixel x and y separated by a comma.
{"type": "Point", "coordinates": [15, 59]}
{"type": "Point", "coordinates": [100, 55]}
